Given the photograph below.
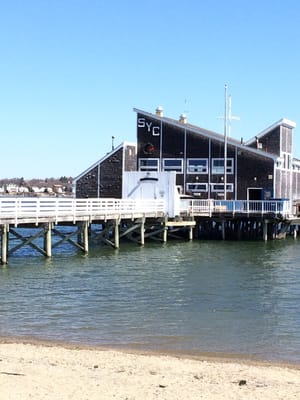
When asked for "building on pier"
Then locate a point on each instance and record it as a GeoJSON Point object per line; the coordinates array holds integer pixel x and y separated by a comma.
{"type": "Point", "coordinates": [258, 169]}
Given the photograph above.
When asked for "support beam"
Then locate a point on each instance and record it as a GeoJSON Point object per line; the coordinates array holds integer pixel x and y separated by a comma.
{"type": "Point", "coordinates": [66, 237]}
{"type": "Point", "coordinates": [24, 241]}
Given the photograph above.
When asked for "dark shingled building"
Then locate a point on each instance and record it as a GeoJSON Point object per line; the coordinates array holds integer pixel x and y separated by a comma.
{"type": "Point", "coordinates": [259, 169]}
{"type": "Point", "coordinates": [104, 178]}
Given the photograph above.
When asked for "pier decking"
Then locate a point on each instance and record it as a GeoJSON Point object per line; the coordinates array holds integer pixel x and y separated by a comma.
{"type": "Point", "coordinates": [134, 219]}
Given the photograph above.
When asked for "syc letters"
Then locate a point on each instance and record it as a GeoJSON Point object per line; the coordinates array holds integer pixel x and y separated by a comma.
{"type": "Point", "coordinates": [153, 129]}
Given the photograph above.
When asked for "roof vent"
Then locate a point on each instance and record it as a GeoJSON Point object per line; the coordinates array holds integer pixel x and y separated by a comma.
{"type": "Point", "coordinates": [183, 118]}
{"type": "Point", "coordinates": [159, 111]}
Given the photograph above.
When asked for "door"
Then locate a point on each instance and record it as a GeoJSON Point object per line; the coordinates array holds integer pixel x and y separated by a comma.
{"type": "Point", "coordinates": [255, 194]}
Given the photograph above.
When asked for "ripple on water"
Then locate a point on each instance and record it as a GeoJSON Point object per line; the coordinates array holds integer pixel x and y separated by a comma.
{"type": "Point", "coordinates": [239, 297]}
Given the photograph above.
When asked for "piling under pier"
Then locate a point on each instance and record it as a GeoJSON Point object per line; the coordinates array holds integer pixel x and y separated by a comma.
{"type": "Point", "coordinates": [46, 236]}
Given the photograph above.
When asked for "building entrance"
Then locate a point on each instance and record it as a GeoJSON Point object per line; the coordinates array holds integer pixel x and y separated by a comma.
{"type": "Point", "coordinates": [255, 194]}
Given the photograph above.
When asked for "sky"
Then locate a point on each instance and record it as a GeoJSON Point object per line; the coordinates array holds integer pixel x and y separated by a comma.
{"type": "Point", "coordinates": [71, 72]}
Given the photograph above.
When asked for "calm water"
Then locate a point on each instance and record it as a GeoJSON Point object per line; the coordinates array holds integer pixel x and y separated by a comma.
{"type": "Point", "coordinates": [233, 297]}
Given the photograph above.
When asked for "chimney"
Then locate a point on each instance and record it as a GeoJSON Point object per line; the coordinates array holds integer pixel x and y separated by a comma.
{"type": "Point", "coordinates": [183, 118]}
{"type": "Point", "coordinates": [159, 111]}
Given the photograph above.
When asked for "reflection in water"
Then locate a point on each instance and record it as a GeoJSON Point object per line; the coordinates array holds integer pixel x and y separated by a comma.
{"type": "Point", "coordinates": [238, 297]}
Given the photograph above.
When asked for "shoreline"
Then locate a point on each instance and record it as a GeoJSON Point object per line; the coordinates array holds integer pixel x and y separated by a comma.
{"type": "Point", "coordinates": [48, 370]}
{"type": "Point", "coordinates": [247, 359]}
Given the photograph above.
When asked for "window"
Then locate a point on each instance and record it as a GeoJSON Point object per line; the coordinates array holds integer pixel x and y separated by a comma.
{"type": "Point", "coordinates": [148, 164]}
{"type": "Point", "coordinates": [172, 164]}
{"type": "Point", "coordinates": [196, 187]}
{"type": "Point", "coordinates": [219, 187]}
{"type": "Point", "coordinates": [197, 166]}
{"type": "Point", "coordinates": [296, 165]}
{"type": "Point", "coordinates": [279, 162]}
{"type": "Point", "coordinates": [287, 161]}
{"type": "Point", "coordinates": [218, 166]}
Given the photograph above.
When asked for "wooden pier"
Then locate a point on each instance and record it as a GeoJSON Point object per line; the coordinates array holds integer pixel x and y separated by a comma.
{"type": "Point", "coordinates": [111, 220]}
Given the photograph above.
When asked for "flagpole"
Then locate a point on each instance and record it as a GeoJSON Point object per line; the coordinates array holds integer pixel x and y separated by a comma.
{"type": "Point", "coordinates": [225, 143]}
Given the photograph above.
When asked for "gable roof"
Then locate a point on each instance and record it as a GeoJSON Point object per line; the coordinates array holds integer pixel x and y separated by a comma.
{"type": "Point", "coordinates": [207, 133]}
{"type": "Point", "coordinates": [282, 122]}
{"type": "Point", "coordinates": [107, 155]}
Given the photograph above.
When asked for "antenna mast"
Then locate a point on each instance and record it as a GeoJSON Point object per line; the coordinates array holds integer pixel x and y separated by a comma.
{"type": "Point", "coordinates": [230, 117]}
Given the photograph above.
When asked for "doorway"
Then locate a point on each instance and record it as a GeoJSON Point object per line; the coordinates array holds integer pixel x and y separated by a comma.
{"type": "Point", "coordinates": [254, 194]}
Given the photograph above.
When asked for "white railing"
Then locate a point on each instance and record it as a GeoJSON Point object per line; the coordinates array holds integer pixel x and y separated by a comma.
{"type": "Point", "coordinates": [28, 208]}
{"type": "Point", "coordinates": [276, 207]}
{"type": "Point", "coordinates": [32, 209]}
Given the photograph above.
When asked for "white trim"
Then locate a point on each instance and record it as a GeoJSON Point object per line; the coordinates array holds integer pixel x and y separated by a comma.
{"type": "Point", "coordinates": [213, 169]}
{"type": "Point", "coordinates": [229, 187]}
{"type": "Point", "coordinates": [173, 168]}
{"type": "Point", "coordinates": [147, 167]}
{"type": "Point", "coordinates": [188, 171]}
{"type": "Point", "coordinates": [197, 190]}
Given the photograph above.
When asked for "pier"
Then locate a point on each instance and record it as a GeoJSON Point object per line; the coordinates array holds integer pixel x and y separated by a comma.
{"type": "Point", "coordinates": [34, 222]}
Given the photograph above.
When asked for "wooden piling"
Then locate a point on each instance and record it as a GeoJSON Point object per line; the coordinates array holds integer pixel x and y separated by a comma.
{"type": "Point", "coordinates": [190, 233]}
{"type": "Point", "coordinates": [86, 236]}
{"type": "Point", "coordinates": [117, 236]}
{"type": "Point", "coordinates": [265, 230]}
{"type": "Point", "coordinates": [4, 243]}
{"type": "Point", "coordinates": [47, 239]}
{"type": "Point", "coordinates": [142, 232]}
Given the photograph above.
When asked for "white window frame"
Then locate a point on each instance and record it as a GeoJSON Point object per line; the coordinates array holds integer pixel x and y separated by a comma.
{"type": "Point", "coordinates": [178, 170]}
{"type": "Point", "coordinates": [296, 165]}
{"type": "Point", "coordinates": [287, 160]}
{"type": "Point", "coordinates": [200, 169]}
{"type": "Point", "coordinates": [219, 170]}
{"type": "Point", "coordinates": [202, 190]}
{"type": "Point", "coordinates": [154, 168]}
{"type": "Point", "coordinates": [220, 189]}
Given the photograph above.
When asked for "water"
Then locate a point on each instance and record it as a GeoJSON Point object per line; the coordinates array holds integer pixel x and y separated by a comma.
{"type": "Point", "coordinates": [232, 297]}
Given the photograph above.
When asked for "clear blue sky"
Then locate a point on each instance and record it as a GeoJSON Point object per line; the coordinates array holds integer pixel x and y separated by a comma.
{"type": "Point", "coordinates": [72, 71]}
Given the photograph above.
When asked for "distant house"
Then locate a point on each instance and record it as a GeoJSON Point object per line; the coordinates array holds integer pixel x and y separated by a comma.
{"type": "Point", "coordinates": [104, 178]}
{"type": "Point", "coordinates": [261, 168]}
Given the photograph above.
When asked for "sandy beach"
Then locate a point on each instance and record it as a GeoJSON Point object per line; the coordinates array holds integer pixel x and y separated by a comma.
{"type": "Point", "coordinates": [48, 371]}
